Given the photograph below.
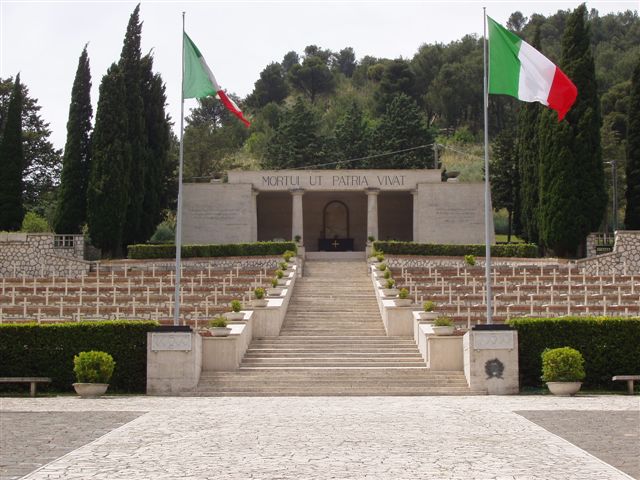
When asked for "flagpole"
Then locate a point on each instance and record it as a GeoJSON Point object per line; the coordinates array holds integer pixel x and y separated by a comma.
{"type": "Point", "coordinates": [176, 309]}
{"type": "Point", "coordinates": [487, 190]}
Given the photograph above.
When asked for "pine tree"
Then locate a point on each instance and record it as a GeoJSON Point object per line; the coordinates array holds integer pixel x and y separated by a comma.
{"type": "Point", "coordinates": [72, 197]}
{"type": "Point", "coordinates": [12, 164]}
{"type": "Point", "coordinates": [632, 214]}
{"type": "Point", "coordinates": [572, 192]}
{"type": "Point", "coordinates": [527, 153]}
{"type": "Point", "coordinates": [352, 137]}
{"type": "Point", "coordinates": [108, 189]}
{"type": "Point", "coordinates": [158, 141]}
{"type": "Point", "coordinates": [402, 127]}
{"type": "Point", "coordinates": [296, 142]}
{"type": "Point", "coordinates": [130, 65]}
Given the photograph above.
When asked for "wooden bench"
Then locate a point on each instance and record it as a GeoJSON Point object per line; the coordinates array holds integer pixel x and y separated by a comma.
{"type": "Point", "coordinates": [31, 380]}
{"type": "Point", "coordinates": [629, 379]}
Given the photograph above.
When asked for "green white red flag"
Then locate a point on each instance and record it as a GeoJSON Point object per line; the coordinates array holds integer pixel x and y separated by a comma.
{"type": "Point", "coordinates": [519, 70]}
{"type": "Point", "coordinates": [199, 81]}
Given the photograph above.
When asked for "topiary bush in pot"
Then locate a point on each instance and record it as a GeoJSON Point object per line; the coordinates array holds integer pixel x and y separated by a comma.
{"type": "Point", "coordinates": [93, 371]}
{"type": "Point", "coordinates": [563, 370]}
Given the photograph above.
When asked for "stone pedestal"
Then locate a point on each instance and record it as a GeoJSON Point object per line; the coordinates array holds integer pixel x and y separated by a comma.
{"type": "Point", "coordinates": [174, 362]}
{"type": "Point", "coordinates": [491, 361]}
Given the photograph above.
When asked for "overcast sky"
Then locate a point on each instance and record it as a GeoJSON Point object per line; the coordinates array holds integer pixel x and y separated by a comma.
{"type": "Point", "coordinates": [43, 39]}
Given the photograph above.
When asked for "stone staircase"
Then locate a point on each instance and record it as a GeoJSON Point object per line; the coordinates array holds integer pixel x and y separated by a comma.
{"type": "Point", "coordinates": [332, 342]}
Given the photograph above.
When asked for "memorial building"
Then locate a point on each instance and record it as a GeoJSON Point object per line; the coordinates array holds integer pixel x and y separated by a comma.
{"type": "Point", "coordinates": [334, 210]}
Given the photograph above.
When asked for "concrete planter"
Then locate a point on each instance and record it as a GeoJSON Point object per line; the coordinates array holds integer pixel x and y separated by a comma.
{"type": "Point", "coordinates": [90, 390]}
{"type": "Point", "coordinates": [274, 292]}
{"type": "Point", "coordinates": [564, 389]}
{"type": "Point", "coordinates": [390, 292]}
{"type": "Point", "coordinates": [234, 315]}
{"type": "Point", "coordinates": [262, 302]}
{"type": "Point", "coordinates": [446, 330]}
{"type": "Point", "coordinates": [282, 281]}
{"type": "Point", "coordinates": [428, 315]}
{"type": "Point", "coordinates": [220, 331]}
{"type": "Point", "coordinates": [403, 302]}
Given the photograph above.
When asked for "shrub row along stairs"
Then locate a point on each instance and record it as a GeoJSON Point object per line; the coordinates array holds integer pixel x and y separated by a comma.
{"type": "Point", "coordinates": [333, 343]}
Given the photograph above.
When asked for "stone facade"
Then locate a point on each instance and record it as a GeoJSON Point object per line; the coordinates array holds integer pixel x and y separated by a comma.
{"type": "Point", "coordinates": [41, 254]}
{"type": "Point", "coordinates": [325, 205]}
{"type": "Point", "coordinates": [417, 261]}
{"type": "Point", "coordinates": [623, 260]}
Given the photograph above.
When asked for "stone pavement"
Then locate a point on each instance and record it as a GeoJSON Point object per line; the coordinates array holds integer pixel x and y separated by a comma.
{"type": "Point", "coordinates": [333, 437]}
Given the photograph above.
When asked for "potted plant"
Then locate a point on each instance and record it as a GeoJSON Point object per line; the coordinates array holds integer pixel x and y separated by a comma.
{"type": "Point", "coordinates": [403, 299]}
{"type": "Point", "coordinates": [390, 290]}
{"type": "Point", "coordinates": [297, 239]}
{"type": "Point", "coordinates": [563, 370]}
{"type": "Point", "coordinates": [280, 277]}
{"type": "Point", "coordinates": [274, 291]}
{"type": "Point", "coordinates": [381, 266]}
{"type": "Point", "coordinates": [93, 371]}
{"type": "Point", "coordinates": [235, 313]}
{"type": "Point", "coordinates": [286, 268]}
{"type": "Point", "coordinates": [470, 260]}
{"type": "Point", "coordinates": [259, 301]}
{"type": "Point", "coordinates": [218, 327]}
{"type": "Point", "coordinates": [443, 326]}
{"type": "Point", "coordinates": [427, 311]}
{"type": "Point", "coordinates": [288, 255]}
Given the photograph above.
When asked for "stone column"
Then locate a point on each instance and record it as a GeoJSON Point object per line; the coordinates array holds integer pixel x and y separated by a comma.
{"type": "Point", "coordinates": [372, 212]}
{"type": "Point", "coordinates": [297, 223]}
{"type": "Point", "coordinates": [254, 215]}
{"type": "Point", "coordinates": [414, 193]}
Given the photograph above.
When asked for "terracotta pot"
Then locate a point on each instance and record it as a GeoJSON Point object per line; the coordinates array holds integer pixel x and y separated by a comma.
{"type": "Point", "coordinates": [564, 389]}
{"type": "Point", "coordinates": [90, 390]}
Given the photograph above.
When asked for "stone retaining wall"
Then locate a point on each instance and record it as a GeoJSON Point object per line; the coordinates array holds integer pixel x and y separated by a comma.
{"type": "Point", "coordinates": [34, 254]}
{"type": "Point", "coordinates": [416, 261]}
{"type": "Point", "coordinates": [624, 259]}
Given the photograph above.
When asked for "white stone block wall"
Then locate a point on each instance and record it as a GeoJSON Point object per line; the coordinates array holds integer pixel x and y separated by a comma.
{"type": "Point", "coordinates": [219, 264]}
{"type": "Point", "coordinates": [35, 255]}
{"type": "Point", "coordinates": [624, 259]}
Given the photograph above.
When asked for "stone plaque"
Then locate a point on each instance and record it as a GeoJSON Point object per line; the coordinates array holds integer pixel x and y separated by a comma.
{"type": "Point", "coordinates": [493, 340]}
{"type": "Point", "coordinates": [179, 341]}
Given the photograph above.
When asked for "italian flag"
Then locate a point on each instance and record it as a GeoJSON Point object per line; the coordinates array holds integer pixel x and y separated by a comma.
{"type": "Point", "coordinates": [519, 70]}
{"type": "Point", "coordinates": [199, 81]}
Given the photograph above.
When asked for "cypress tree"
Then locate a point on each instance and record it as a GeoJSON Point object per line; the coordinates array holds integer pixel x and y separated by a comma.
{"type": "Point", "coordinates": [107, 192]}
{"type": "Point", "coordinates": [572, 192]}
{"type": "Point", "coordinates": [527, 151]}
{"type": "Point", "coordinates": [130, 65]}
{"type": "Point", "coordinates": [12, 164]}
{"type": "Point", "coordinates": [352, 136]}
{"type": "Point", "coordinates": [72, 197]}
{"type": "Point", "coordinates": [632, 214]}
{"type": "Point", "coordinates": [158, 141]}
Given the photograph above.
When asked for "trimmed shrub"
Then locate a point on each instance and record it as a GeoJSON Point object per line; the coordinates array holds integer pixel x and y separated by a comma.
{"type": "Point", "coordinates": [215, 250]}
{"type": "Point", "coordinates": [609, 346]}
{"type": "Point", "coordinates": [34, 223]}
{"type": "Point", "coordinates": [218, 322]}
{"type": "Point", "coordinates": [564, 364]}
{"type": "Point", "coordinates": [522, 250]}
{"type": "Point", "coordinates": [93, 367]}
{"type": "Point", "coordinates": [32, 350]}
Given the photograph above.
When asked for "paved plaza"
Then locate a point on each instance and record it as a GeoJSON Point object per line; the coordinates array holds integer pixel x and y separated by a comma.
{"type": "Point", "coordinates": [521, 437]}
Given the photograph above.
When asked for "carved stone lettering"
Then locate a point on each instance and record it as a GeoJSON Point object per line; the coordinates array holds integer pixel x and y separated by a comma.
{"type": "Point", "coordinates": [177, 341]}
{"type": "Point", "coordinates": [493, 340]}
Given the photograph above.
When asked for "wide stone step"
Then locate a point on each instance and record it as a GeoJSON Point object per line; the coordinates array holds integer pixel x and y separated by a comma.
{"type": "Point", "coordinates": [289, 363]}
{"type": "Point", "coordinates": [303, 354]}
{"type": "Point", "coordinates": [374, 373]}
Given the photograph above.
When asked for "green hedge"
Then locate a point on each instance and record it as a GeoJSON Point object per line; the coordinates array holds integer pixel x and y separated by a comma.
{"type": "Point", "coordinates": [214, 250]}
{"type": "Point", "coordinates": [523, 250]}
{"type": "Point", "coordinates": [609, 346]}
{"type": "Point", "coordinates": [32, 350]}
